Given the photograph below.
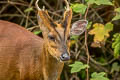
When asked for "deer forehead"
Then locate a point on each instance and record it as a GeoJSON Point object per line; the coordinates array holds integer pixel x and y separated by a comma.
{"type": "Point", "coordinates": [60, 30]}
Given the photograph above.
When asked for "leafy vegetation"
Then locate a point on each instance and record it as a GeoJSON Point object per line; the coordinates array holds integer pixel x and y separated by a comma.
{"type": "Point", "coordinates": [99, 2]}
{"type": "Point", "coordinates": [117, 10]}
{"type": "Point", "coordinates": [78, 66]}
{"type": "Point", "coordinates": [116, 44]}
{"type": "Point", "coordinates": [101, 31]}
{"type": "Point", "coordinates": [98, 76]}
{"type": "Point", "coordinates": [79, 8]}
{"type": "Point", "coordinates": [115, 67]}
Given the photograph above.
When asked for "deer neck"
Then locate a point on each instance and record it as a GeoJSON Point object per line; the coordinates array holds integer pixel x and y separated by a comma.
{"type": "Point", "coordinates": [52, 67]}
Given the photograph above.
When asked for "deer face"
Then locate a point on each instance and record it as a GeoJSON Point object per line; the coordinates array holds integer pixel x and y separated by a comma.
{"type": "Point", "coordinates": [56, 36]}
{"type": "Point", "coordinates": [58, 45]}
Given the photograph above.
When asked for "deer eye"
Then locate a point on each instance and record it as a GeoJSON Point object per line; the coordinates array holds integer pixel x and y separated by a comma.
{"type": "Point", "coordinates": [68, 38]}
{"type": "Point", "coordinates": [51, 37]}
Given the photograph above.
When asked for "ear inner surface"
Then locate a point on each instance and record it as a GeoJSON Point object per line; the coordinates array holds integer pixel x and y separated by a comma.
{"type": "Point", "coordinates": [79, 27]}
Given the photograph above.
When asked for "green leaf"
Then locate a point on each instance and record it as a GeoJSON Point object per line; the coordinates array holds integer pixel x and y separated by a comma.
{"type": "Point", "coordinates": [100, 31]}
{"type": "Point", "coordinates": [115, 67]}
{"type": "Point", "coordinates": [108, 26]}
{"type": "Point", "coordinates": [78, 66]}
{"type": "Point", "coordinates": [28, 9]}
{"type": "Point", "coordinates": [104, 2]}
{"type": "Point", "coordinates": [116, 17]}
{"type": "Point", "coordinates": [98, 76]}
{"type": "Point", "coordinates": [37, 32]}
{"type": "Point", "coordinates": [117, 14]}
{"type": "Point", "coordinates": [79, 8]}
{"type": "Point", "coordinates": [91, 1]}
{"type": "Point", "coordinates": [89, 25]}
{"type": "Point", "coordinates": [99, 2]}
{"type": "Point", "coordinates": [116, 45]}
{"type": "Point", "coordinates": [74, 37]}
{"type": "Point", "coordinates": [117, 10]}
{"type": "Point", "coordinates": [117, 50]}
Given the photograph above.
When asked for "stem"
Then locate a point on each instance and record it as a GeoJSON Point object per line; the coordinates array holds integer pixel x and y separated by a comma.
{"type": "Point", "coordinates": [86, 11]}
{"type": "Point", "coordinates": [87, 51]}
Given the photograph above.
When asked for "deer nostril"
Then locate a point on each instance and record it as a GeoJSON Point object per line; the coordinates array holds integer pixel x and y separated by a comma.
{"type": "Point", "coordinates": [65, 57]}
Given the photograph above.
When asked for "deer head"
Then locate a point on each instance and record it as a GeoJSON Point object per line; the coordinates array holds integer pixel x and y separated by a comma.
{"type": "Point", "coordinates": [56, 36]}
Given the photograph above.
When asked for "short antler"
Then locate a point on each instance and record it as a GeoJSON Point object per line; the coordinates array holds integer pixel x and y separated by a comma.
{"type": "Point", "coordinates": [36, 4]}
{"type": "Point", "coordinates": [67, 5]}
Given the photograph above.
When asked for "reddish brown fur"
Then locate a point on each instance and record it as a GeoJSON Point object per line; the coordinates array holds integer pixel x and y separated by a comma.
{"type": "Point", "coordinates": [23, 55]}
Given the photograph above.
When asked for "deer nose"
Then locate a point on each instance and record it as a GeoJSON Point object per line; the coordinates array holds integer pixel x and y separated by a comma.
{"type": "Point", "coordinates": [65, 57]}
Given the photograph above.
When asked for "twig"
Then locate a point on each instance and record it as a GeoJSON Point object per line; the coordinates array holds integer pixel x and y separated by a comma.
{"type": "Point", "coordinates": [66, 75]}
{"type": "Point", "coordinates": [16, 15]}
{"type": "Point", "coordinates": [4, 7]}
{"type": "Point", "coordinates": [24, 14]}
{"type": "Point", "coordinates": [102, 64]}
{"type": "Point", "coordinates": [54, 13]}
{"type": "Point", "coordinates": [22, 21]}
{"type": "Point", "coordinates": [87, 51]}
{"type": "Point", "coordinates": [86, 12]}
{"type": "Point", "coordinates": [58, 4]}
{"type": "Point", "coordinates": [15, 3]}
{"type": "Point", "coordinates": [28, 13]}
{"type": "Point", "coordinates": [31, 28]}
{"type": "Point", "coordinates": [97, 67]}
{"type": "Point", "coordinates": [74, 77]}
{"type": "Point", "coordinates": [45, 2]}
{"type": "Point", "coordinates": [101, 20]}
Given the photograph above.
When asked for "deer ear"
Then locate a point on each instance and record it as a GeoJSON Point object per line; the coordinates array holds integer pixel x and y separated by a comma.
{"type": "Point", "coordinates": [79, 27]}
{"type": "Point", "coordinates": [44, 18]}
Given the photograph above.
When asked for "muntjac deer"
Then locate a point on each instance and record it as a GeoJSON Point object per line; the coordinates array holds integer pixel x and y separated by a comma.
{"type": "Point", "coordinates": [25, 56]}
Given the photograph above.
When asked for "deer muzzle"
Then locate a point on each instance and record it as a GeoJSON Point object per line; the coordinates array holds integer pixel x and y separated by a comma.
{"type": "Point", "coordinates": [65, 57]}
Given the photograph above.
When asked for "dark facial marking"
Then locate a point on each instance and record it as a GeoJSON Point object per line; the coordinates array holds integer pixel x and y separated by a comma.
{"type": "Point", "coordinates": [58, 34]}
{"type": "Point", "coordinates": [65, 22]}
{"type": "Point", "coordinates": [52, 23]}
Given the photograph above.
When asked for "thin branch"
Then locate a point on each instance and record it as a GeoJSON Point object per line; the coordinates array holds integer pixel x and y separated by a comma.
{"type": "Point", "coordinates": [101, 20]}
{"type": "Point", "coordinates": [16, 15]}
{"type": "Point", "coordinates": [28, 13]}
{"type": "Point", "coordinates": [102, 64]}
{"type": "Point", "coordinates": [87, 51]}
{"type": "Point", "coordinates": [45, 2]}
{"type": "Point", "coordinates": [86, 12]}
{"type": "Point", "coordinates": [4, 7]}
{"type": "Point", "coordinates": [14, 3]}
{"type": "Point", "coordinates": [24, 14]}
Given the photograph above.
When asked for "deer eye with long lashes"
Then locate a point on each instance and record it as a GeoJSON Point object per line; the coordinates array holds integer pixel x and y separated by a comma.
{"type": "Point", "coordinates": [51, 37]}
